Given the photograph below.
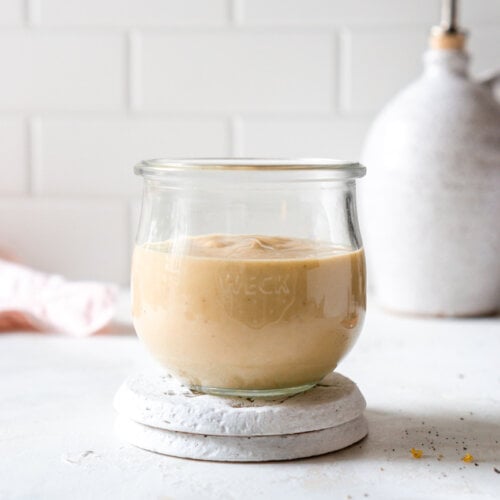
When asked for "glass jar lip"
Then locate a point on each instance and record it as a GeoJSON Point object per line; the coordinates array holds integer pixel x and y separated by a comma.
{"type": "Point", "coordinates": [343, 168]}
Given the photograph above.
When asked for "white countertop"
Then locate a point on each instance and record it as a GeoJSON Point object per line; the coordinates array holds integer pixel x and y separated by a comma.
{"type": "Point", "coordinates": [430, 384]}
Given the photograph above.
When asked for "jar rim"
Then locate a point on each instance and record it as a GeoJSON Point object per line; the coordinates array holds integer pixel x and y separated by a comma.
{"type": "Point", "coordinates": [345, 169]}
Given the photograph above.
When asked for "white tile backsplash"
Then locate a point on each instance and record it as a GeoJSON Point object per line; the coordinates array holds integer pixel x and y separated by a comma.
{"type": "Point", "coordinates": [479, 12]}
{"type": "Point", "coordinates": [376, 63]}
{"type": "Point", "coordinates": [484, 48]}
{"type": "Point", "coordinates": [92, 156]}
{"type": "Point", "coordinates": [338, 12]}
{"type": "Point", "coordinates": [82, 239]}
{"type": "Point", "coordinates": [228, 72]}
{"type": "Point", "coordinates": [61, 71]}
{"type": "Point", "coordinates": [13, 174]}
{"type": "Point", "coordinates": [132, 12]}
{"type": "Point", "coordinates": [11, 12]}
{"type": "Point", "coordinates": [307, 138]}
{"type": "Point", "coordinates": [88, 88]}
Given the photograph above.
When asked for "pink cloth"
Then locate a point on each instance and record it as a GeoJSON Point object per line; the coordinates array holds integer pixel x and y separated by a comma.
{"type": "Point", "coordinates": [31, 299]}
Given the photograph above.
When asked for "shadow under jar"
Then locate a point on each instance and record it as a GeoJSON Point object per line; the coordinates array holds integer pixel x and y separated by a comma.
{"type": "Point", "coordinates": [248, 275]}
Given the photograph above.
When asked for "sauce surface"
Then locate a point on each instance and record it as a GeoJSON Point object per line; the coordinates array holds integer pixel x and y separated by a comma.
{"type": "Point", "coordinates": [247, 247]}
{"type": "Point", "coordinates": [247, 311]}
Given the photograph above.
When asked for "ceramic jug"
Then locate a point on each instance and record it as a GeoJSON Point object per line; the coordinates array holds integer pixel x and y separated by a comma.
{"type": "Point", "coordinates": [431, 204]}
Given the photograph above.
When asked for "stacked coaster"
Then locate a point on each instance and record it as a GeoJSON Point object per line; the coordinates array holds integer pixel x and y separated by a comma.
{"type": "Point", "coordinates": [156, 413]}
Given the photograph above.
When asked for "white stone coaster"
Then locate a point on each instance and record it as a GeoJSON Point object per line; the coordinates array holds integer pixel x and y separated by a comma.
{"type": "Point", "coordinates": [238, 448]}
{"type": "Point", "coordinates": [157, 400]}
{"type": "Point", "coordinates": [158, 414]}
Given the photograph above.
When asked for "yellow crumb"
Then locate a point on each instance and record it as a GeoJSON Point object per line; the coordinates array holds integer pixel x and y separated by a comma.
{"type": "Point", "coordinates": [416, 453]}
{"type": "Point", "coordinates": [467, 458]}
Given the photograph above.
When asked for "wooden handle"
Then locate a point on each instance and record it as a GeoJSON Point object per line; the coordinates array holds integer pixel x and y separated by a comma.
{"type": "Point", "coordinates": [447, 41]}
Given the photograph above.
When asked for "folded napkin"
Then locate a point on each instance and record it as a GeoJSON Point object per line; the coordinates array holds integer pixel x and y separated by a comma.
{"type": "Point", "coordinates": [44, 302]}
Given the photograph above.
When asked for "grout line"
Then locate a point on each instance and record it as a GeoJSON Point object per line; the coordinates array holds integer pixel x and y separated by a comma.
{"type": "Point", "coordinates": [201, 29]}
{"type": "Point", "coordinates": [170, 115]}
{"type": "Point", "coordinates": [230, 12]}
{"type": "Point", "coordinates": [230, 137]}
{"type": "Point", "coordinates": [32, 12]}
{"type": "Point", "coordinates": [28, 167]}
{"type": "Point", "coordinates": [335, 74]}
{"type": "Point", "coordinates": [238, 136]}
{"type": "Point", "coordinates": [73, 198]}
{"type": "Point", "coordinates": [33, 146]}
{"type": "Point", "coordinates": [127, 70]}
{"type": "Point", "coordinates": [345, 76]}
{"type": "Point", "coordinates": [134, 80]}
{"type": "Point", "coordinates": [188, 116]}
{"type": "Point", "coordinates": [76, 197]}
{"type": "Point", "coordinates": [233, 139]}
{"type": "Point", "coordinates": [236, 12]}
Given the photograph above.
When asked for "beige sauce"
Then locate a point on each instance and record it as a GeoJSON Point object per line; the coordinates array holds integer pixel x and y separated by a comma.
{"type": "Point", "coordinates": [248, 312]}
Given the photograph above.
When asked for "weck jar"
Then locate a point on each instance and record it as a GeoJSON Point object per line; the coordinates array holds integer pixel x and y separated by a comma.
{"type": "Point", "coordinates": [248, 275]}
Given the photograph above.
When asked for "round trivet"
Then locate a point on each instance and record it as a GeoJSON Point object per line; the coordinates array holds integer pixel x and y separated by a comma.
{"type": "Point", "coordinates": [240, 448]}
{"type": "Point", "coordinates": [158, 414]}
{"type": "Point", "coordinates": [156, 399]}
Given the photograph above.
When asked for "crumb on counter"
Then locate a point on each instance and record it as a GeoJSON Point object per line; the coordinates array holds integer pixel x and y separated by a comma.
{"type": "Point", "coordinates": [468, 458]}
{"type": "Point", "coordinates": [416, 453]}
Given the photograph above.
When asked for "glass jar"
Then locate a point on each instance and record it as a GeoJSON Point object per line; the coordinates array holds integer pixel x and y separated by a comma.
{"type": "Point", "coordinates": [248, 275]}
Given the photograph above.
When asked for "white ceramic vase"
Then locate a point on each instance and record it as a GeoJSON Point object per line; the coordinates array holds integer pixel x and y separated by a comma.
{"type": "Point", "coordinates": [431, 203]}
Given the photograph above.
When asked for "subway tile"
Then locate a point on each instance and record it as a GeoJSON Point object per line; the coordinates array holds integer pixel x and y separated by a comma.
{"type": "Point", "coordinates": [236, 71]}
{"type": "Point", "coordinates": [376, 64]}
{"type": "Point", "coordinates": [484, 49]}
{"type": "Point", "coordinates": [306, 138]}
{"type": "Point", "coordinates": [11, 12]}
{"type": "Point", "coordinates": [132, 12]}
{"type": "Point", "coordinates": [79, 239]}
{"type": "Point", "coordinates": [338, 12]}
{"type": "Point", "coordinates": [12, 156]}
{"type": "Point", "coordinates": [95, 156]}
{"type": "Point", "coordinates": [479, 12]}
{"type": "Point", "coordinates": [62, 71]}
